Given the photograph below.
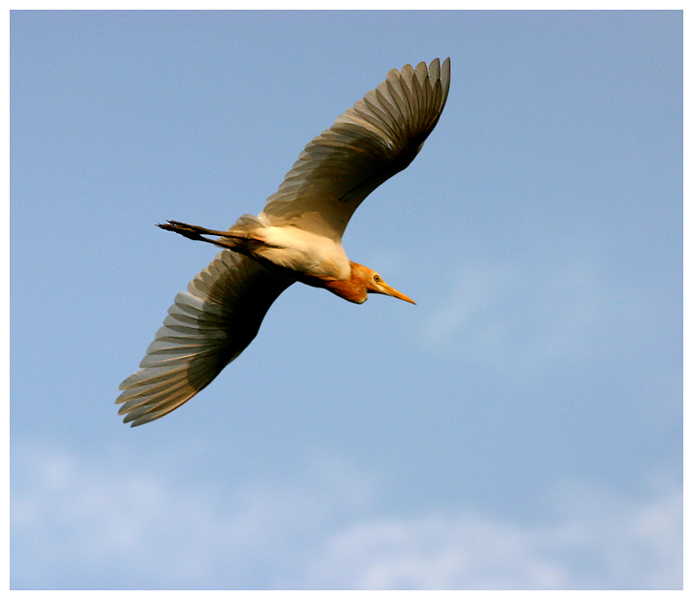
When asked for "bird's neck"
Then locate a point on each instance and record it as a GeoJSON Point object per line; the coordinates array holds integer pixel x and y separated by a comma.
{"type": "Point", "coordinates": [352, 289]}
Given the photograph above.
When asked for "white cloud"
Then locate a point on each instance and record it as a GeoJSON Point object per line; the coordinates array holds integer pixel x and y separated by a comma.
{"type": "Point", "coordinates": [100, 523]}
{"type": "Point", "coordinates": [593, 540]}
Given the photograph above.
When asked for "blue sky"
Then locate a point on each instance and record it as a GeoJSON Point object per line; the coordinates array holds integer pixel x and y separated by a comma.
{"type": "Point", "coordinates": [520, 427]}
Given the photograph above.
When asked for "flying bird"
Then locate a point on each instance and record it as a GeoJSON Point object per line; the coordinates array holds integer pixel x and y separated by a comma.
{"type": "Point", "coordinates": [297, 237]}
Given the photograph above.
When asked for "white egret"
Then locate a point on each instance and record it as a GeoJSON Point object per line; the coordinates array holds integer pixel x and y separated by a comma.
{"type": "Point", "coordinates": [297, 237]}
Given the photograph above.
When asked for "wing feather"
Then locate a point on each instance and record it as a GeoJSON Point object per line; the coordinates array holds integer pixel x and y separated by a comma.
{"type": "Point", "coordinates": [206, 328]}
{"type": "Point", "coordinates": [372, 141]}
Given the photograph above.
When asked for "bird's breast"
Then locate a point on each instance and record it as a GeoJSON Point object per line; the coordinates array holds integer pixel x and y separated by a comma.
{"type": "Point", "coordinates": [305, 253]}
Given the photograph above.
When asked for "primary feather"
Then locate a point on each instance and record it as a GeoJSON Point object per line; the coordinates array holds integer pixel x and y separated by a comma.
{"type": "Point", "coordinates": [206, 328]}
{"type": "Point", "coordinates": [367, 145]}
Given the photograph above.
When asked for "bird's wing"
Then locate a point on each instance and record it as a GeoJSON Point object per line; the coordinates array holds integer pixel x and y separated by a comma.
{"type": "Point", "coordinates": [367, 145]}
{"type": "Point", "coordinates": [206, 328]}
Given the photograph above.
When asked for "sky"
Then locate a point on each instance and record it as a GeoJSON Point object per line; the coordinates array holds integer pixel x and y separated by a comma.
{"type": "Point", "coordinates": [519, 428]}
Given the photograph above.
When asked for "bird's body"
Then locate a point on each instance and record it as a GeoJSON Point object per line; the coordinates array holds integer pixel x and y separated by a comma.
{"type": "Point", "coordinates": [307, 254]}
{"type": "Point", "coordinates": [296, 238]}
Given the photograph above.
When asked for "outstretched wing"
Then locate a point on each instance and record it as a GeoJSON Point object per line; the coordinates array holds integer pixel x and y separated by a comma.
{"type": "Point", "coordinates": [206, 328]}
{"type": "Point", "coordinates": [367, 145]}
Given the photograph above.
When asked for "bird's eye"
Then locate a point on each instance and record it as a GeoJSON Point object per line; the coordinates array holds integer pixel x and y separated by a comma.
{"type": "Point", "coordinates": [376, 278]}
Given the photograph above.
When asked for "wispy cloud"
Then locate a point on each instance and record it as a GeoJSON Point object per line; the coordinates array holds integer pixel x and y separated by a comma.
{"type": "Point", "coordinates": [82, 522]}
{"type": "Point", "coordinates": [591, 540]}
{"type": "Point", "coordinates": [521, 319]}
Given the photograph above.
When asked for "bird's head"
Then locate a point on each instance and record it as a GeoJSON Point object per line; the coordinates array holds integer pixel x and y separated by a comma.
{"type": "Point", "coordinates": [373, 282]}
{"type": "Point", "coordinates": [361, 281]}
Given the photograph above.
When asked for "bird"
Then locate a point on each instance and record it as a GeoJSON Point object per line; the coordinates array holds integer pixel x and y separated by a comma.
{"type": "Point", "coordinates": [296, 238]}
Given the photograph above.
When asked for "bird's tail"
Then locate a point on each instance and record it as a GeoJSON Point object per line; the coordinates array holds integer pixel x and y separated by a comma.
{"type": "Point", "coordinates": [247, 224]}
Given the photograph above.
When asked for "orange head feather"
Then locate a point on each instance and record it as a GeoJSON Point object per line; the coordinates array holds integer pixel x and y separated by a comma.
{"type": "Point", "coordinates": [361, 281]}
